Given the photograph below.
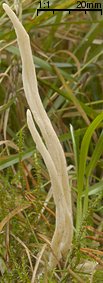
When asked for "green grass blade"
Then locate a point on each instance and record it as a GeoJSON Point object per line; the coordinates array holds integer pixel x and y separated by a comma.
{"type": "Point", "coordinates": [82, 164]}
{"type": "Point", "coordinates": [94, 31]}
{"type": "Point", "coordinates": [95, 189]}
{"type": "Point", "coordinates": [96, 155]}
{"type": "Point", "coordinates": [8, 161]}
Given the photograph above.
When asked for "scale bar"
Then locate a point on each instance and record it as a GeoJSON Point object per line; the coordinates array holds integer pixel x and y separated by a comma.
{"type": "Point", "coordinates": [67, 10]}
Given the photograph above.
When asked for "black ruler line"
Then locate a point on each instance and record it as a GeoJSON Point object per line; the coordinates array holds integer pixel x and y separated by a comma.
{"type": "Point", "coordinates": [67, 10]}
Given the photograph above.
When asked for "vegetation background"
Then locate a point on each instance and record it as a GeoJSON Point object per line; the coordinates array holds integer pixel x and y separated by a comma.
{"type": "Point", "coordinates": [68, 54]}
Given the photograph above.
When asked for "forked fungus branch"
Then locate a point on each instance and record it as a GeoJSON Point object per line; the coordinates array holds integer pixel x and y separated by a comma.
{"type": "Point", "coordinates": [52, 152]}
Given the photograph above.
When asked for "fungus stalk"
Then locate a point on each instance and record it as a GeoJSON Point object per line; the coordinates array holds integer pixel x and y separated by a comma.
{"type": "Point", "coordinates": [52, 152]}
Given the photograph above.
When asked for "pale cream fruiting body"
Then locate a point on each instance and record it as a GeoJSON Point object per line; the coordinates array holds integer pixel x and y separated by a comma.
{"type": "Point", "coordinates": [53, 154]}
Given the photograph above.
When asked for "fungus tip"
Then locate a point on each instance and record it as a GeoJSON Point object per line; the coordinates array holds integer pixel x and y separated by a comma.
{"type": "Point", "coordinates": [28, 113]}
{"type": "Point", "coordinates": [5, 7]}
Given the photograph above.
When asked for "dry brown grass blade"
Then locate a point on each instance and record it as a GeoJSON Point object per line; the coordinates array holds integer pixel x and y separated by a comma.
{"type": "Point", "coordinates": [92, 250]}
{"type": "Point", "coordinates": [12, 214]}
{"type": "Point", "coordinates": [72, 96]}
{"type": "Point", "coordinates": [95, 238]}
{"type": "Point", "coordinates": [90, 228]}
{"type": "Point", "coordinates": [73, 57]}
{"type": "Point", "coordinates": [74, 275]}
{"type": "Point", "coordinates": [29, 174]}
{"type": "Point", "coordinates": [45, 239]}
{"type": "Point", "coordinates": [26, 249]}
{"type": "Point", "coordinates": [7, 241]}
{"type": "Point", "coordinates": [37, 263]}
{"type": "Point", "coordinates": [9, 143]}
{"type": "Point", "coordinates": [8, 44]}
